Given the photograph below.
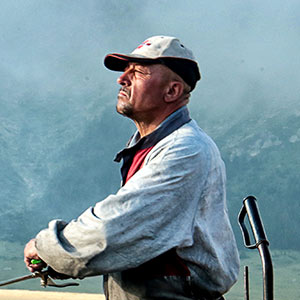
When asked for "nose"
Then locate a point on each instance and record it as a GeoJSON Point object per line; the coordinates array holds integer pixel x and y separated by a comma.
{"type": "Point", "coordinates": [124, 79]}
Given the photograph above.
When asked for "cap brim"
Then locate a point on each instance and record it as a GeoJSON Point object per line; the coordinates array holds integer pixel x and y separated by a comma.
{"type": "Point", "coordinates": [119, 62]}
{"type": "Point", "coordinates": [187, 69]}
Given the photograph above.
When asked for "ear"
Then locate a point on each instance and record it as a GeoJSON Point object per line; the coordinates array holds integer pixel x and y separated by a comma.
{"type": "Point", "coordinates": [174, 91]}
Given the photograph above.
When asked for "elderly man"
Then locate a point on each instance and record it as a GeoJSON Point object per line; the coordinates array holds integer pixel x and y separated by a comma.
{"type": "Point", "coordinates": [166, 233]}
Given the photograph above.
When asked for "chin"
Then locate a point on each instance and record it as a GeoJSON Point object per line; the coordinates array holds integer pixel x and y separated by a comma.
{"type": "Point", "coordinates": [125, 110]}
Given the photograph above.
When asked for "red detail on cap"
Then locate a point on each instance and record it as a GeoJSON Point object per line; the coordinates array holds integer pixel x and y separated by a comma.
{"type": "Point", "coordinates": [144, 43]}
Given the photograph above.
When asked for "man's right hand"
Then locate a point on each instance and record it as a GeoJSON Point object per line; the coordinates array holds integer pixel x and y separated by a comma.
{"type": "Point", "coordinates": [30, 252]}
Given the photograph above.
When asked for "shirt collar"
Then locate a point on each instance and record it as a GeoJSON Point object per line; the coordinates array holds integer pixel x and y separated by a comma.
{"type": "Point", "coordinates": [170, 124]}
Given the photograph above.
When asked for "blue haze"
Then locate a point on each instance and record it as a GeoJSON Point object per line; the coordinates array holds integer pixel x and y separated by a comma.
{"type": "Point", "coordinates": [59, 130]}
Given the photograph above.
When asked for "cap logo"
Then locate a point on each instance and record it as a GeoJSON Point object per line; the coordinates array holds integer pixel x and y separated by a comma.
{"type": "Point", "coordinates": [147, 43]}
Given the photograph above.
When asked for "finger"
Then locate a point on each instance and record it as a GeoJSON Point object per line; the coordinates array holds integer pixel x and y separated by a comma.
{"type": "Point", "coordinates": [36, 267]}
{"type": "Point", "coordinates": [36, 264]}
{"type": "Point", "coordinates": [31, 260]}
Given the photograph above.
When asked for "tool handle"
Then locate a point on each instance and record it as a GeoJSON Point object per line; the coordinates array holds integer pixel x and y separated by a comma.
{"type": "Point", "coordinates": [250, 209]}
{"type": "Point", "coordinates": [35, 261]}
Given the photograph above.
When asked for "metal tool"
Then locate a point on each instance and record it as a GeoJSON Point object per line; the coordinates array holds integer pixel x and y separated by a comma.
{"type": "Point", "coordinates": [45, 280]}
{"type": "Point", "coordinates": [250, 209]}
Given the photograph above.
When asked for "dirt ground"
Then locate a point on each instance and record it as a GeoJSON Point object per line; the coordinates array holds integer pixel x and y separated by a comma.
{"type": "Point", "coordinates": [37, 295]}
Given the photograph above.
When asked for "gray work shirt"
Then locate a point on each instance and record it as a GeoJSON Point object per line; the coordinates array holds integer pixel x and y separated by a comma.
{"type": "Point", "coordinates": [176, 200]}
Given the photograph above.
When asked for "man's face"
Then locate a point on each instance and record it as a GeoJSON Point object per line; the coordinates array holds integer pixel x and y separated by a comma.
{"type": "Point", "coordinates": [141, 94]}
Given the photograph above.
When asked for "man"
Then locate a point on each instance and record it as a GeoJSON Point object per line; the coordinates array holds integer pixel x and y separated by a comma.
{"type": "Point", "coordinates": [166, 233]}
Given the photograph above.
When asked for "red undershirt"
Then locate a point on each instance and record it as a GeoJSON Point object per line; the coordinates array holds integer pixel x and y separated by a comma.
{"type": "Point", "coordinates": [137, 162]}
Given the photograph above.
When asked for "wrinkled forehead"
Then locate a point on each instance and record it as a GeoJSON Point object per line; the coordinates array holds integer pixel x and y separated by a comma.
{"type": "Point", "coordinates": [150, 68]}
{"type": "Point", "coordinates": [140, 65]}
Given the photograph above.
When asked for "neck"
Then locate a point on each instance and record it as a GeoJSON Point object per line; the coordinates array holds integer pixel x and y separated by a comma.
{"type": "Point", "coordinates": [146, 126]}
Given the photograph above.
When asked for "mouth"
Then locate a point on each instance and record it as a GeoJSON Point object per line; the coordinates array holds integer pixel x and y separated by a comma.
{"type": "Point", "coordinates": [124, 92]}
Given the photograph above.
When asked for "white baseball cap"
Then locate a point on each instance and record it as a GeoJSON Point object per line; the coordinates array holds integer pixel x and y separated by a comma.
{"type": "Point", "coordinates": [160, 50]}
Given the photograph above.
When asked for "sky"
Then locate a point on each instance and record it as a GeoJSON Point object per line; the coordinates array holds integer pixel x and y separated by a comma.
{"type": "Point", "coordinates": [54, 46]}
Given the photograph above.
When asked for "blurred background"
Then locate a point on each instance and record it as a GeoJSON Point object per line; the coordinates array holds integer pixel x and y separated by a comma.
{"type": "Point", "coordinates": [59, 130]}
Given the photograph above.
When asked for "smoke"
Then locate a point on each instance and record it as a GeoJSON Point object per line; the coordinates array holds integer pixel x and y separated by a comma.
{"type": "Point", "coordinates": [57, 118]}
{"type": "Point", "coordinates": [59, 45]}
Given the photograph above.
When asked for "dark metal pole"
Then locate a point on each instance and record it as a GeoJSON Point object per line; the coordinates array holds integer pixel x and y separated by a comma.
{"type": "Point", "coordinates": [246, 283]}
{"type": "Point", "coordinates": [250, 209]}
{"type": "Point", "coordinates": [267, 271]}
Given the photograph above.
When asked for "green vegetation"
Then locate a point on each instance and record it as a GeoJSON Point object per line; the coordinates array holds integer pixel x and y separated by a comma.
{"type": "Point", "coordinates": [286, 265]}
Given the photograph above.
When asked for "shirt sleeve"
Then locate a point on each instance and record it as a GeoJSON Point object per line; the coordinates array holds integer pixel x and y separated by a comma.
{"type": "Point", "coordinates": [152, 213]}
